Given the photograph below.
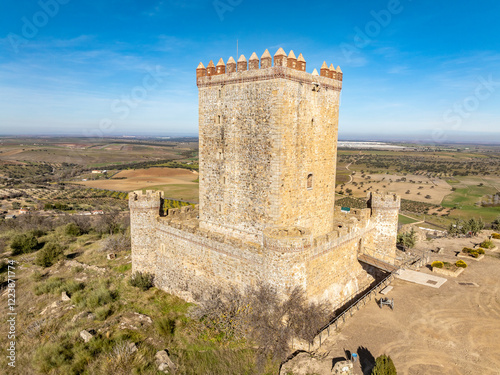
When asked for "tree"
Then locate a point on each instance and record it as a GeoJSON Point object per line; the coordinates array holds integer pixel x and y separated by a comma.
{"type": "Point", "coordinates": [475, 226]}
{"type": "Point", "coordinates": [49, 255]}
{"type": "Point", "coordinates": [496, 224]}
{"type": "Point", "coordinates": [23, 243]}
{"type": "Point", "coordinates": [407, 239]}
{"type": "Point", "coordinates": [384, 366]}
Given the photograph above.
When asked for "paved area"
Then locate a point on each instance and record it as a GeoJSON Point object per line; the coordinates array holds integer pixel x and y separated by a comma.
{"type": "Point", "coordinates": [421, 278]}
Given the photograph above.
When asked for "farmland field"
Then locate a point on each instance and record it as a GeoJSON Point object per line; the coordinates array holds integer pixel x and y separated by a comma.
{"type": "Point", "coordinates": [129, 180]}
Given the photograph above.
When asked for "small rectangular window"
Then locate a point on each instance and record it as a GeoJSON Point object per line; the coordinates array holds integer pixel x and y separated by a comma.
{"type": "Point", "coordinates": [310, 181]}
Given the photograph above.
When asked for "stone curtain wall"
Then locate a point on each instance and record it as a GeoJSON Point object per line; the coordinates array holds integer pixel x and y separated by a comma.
{"type": "Point", "coordinates": [189, 262]}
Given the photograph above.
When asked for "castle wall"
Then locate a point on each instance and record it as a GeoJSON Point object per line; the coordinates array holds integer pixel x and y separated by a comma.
{"type": "Point", "coordinates": [190, 262]}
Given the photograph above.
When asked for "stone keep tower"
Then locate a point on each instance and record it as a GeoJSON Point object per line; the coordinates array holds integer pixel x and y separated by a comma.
{"type": "Point", "coordinates": [268, 145]}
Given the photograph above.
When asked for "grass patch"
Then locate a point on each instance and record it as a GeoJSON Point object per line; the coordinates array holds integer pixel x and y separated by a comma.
{"type": "Point", "coordinates": [406, 220]}
{"type": "Point", "coordinates": [123, 268]}
{"type": "Point", "coordinates": [56, 285]}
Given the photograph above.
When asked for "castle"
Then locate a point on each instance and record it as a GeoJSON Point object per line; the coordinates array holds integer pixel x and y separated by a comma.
{"type": "Point", "coordinates": [267, 214]}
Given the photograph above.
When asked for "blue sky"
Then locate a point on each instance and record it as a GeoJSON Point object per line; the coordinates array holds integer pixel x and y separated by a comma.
{"type": "Point", "coordinates": [420, 68]}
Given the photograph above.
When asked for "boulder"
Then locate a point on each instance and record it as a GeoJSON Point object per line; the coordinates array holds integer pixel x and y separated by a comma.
{"type": "Point", "coordinates": [86, 335]}
{"type": "Point", "coordinates": [65, 297]}
{"type": "Point", "coordinates": [164, 362]}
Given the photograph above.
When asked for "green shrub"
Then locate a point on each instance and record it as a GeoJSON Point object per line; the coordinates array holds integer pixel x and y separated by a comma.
{"type": "Point", "coordinates": [37, 233]}
{"type": "Point", "coordinates": [460, 263]}
{"type": "Point", "coordinates": [142, 280]}
{"type": "Point", "coordinates": [24, 243]}
{"type": "Point", "coordinates": [384, 366]}
{"type": "Point", "coordinates": [437, 264]}
{"type": "Point", "coordinates": [467, 250]}
{"type": "Point", "coordinates": [72, 229]}
{"type": "Point", "coordinates": [99, 297]}
{"type": "Point", "coordinates": [480, 251]}
{"type": "Point", "coordinates": [103, 312]}
{"type": "Point", "coordinates": [495, 236]}
{"type": "Point", "coordinates": [49, 255]}
{"type": "Point", "coordinates": [487, 244]}
{"type": "Point", "coordinates": [37, 276]}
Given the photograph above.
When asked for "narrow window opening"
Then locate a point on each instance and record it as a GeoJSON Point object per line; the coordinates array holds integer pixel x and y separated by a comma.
{"type": "Point", "coordinates": [310, 181]}
{"type": "Point", "coordinates": [218, 119]}
{"type": "Point", "coordinates": [312, 122]}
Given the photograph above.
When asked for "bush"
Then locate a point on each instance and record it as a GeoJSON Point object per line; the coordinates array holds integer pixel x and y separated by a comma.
{"type": "Point", "coordinates": [467, 250]}
{"type": "Point", "coordinates": [141, 280]}
{"type": "Point", "coordinates": [24, 243]}
{"type": "Point", "coordinates": [103, 312]}
{"type": "Point", "coordinates": [72, 229]}
{"type": "Point", "coordinates": [460, 263]}
{"type": "Point", "coordinates": [487, 244]}
{"type": "Point", "coordinates": [495, 236]}
{"type": "Point", "coordinates": [480, 251]}
{"type": "Point", "coordinates": [437, 264]}
{"type": "Point", "coordinates": [384, 366]}
{"type": "Point", "coordinates": [98, 297]}
{"type": "Point", "coordinates": [38, 233]}
{"type": "Point", "coordinates": [49, 255]}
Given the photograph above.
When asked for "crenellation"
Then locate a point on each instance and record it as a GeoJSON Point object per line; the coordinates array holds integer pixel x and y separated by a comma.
{"type": "Point", "coordinates": [210, 69]}
{"type": "Point", "coordinates": [253, 62]}
{"type": "Point", "coordinates": [266, 60]}
{"type": "Point", "coordinates": [324, 70]}
{"type": "Point", "coordinates": [281, 60]}
{"type": "Point", "coordinates": [291, 60]}
{"type": "Point", "coordinates": [242, 64]}
{"type": "Point", "coordinates": [220, 67]}
{"type": "Point", "coordinates": [231, 65]}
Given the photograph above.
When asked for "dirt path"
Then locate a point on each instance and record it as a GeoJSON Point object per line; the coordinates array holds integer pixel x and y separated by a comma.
{"type": "Point", "coordinates": [450, 330]}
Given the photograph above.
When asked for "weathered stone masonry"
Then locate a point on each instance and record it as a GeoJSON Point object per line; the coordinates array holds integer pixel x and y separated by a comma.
{"type": "Point", "coordinates": [268, 144]}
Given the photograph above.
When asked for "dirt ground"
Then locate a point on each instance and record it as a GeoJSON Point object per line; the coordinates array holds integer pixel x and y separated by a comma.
{"type": "Point", "coordinates": [435, 187]}
{"type": "Point", "coordinates": [142, 178]}
{"type": "Point", "coordinates": [447, 331]}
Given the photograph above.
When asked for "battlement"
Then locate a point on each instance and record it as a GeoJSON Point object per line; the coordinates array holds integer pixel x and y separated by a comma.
{"type": "Point", "coordinates": [390, 200]}
{"type": "Point", "coordinates": [287, 239]}
{"type": "Point", "coordinates": [285, 66]}
{"type": "Point", "coordinates": [150, 199]}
